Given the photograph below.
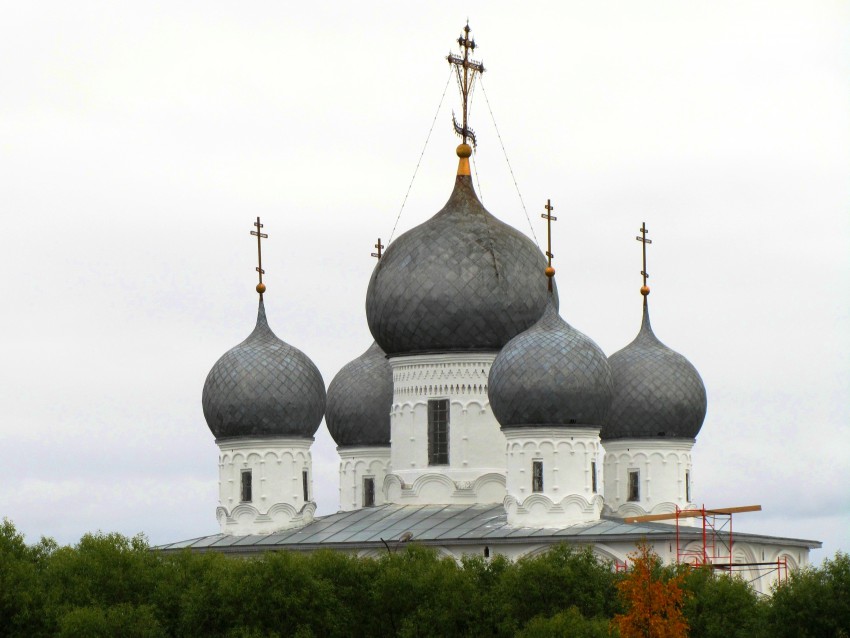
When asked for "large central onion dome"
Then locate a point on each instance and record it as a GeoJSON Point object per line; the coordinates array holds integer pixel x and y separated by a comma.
{"type": "Point", "coordinates": [264, 388]}
{"type": "Point", "coordinates": [657, 392]}
{"type": "Point", "coordinates": [463, 280]}
{"type": "Point", "coordinates": [551, 374]}
{"type": "Point", "coordinates": [360, 398]}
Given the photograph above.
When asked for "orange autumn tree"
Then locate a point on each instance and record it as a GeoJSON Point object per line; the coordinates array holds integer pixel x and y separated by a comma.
{"type": "Point", "coordinates": [653, 605]}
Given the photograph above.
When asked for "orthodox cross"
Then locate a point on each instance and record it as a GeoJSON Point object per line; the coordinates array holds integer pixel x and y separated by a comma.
{"type": "Point", "coordinates": [261, 287]}
{"type": "Point", "coordinates": [644, 241]}
{"type": "Point", "coordinates": [550, 272]}
{"type": "Point", "coordinates": [466, 70]}
{"type": "Point", "coordinates": [380, 247]}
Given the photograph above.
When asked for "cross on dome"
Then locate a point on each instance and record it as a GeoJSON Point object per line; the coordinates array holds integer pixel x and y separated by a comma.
{"type": "Point", "coordinates": [550, 272]}
{"type": "Point", "coordinates": [467, 71]}
{"type": "Point", "coordinates": [380, 248]}
{"type": "Point", "coordinates": [644, 290]}
{"type": "Point", "coordinates": [261, 287]}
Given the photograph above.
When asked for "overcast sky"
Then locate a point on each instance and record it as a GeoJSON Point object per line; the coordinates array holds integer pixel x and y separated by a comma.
{"type": "Point", "coordinates": [139, 141]}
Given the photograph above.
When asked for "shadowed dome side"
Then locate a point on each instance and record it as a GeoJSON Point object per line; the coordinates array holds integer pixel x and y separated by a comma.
{"type": "Point", "coordinates": [657, 391]}
{"type": "Point", "coordinates": [360, 398]}
{"type": "Point", "coordinates": [551, 374]}
{"type": "Point", "coordinates": [263, 388]}
{"type": "Point", "coordinates": [461, 281]}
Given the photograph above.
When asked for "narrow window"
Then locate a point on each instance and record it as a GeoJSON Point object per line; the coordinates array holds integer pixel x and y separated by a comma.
{"type": "Point", "coordinates": [368, 491]}
{"type": "Point", "coordinates": [593, 476]}
{"type": "Point", "coordinates": [246, 486]}
{"type": "Point", "coordinates": [537, 476]}
{"type": "Point", "coordinates": [438, 432]}
{"type": "Point", "coordinates": [304, 484]}
{"type": "Point", "coordinates": [688, 486]}
{"type": "Point", "coordinates": [634, 485]}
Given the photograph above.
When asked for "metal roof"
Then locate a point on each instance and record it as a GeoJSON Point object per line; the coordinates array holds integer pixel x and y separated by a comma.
{"type": "Point", "coordinates": [263, 387]}
{"type": "Point", "coordinates": [461, 281]}
{"type": "Point", "coordinates": [443, 525]}
{"type": "Point", "coordinates": [551, 374]}
{"type": "Point", "coordinates": [360, 399]}
{"type": "Point", "coordinates": [658, 393]}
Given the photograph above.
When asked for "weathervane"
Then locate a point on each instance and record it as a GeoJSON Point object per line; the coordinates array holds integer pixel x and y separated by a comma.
{"type": "Point", "coordinates": [380, 247]}
{"type": "Point", "coordinates": [644, 290]}
{"type": "Point", "coordinates": [550, 272]}
{"type": "Point", "coordinates": [466, 70]}
{"type": "Point", "coordinates": [261, 287]}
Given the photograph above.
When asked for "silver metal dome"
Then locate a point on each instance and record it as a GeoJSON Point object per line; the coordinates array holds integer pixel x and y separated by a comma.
{"type": "Point", "coordinates": [657, 392]}
{"type": "Point", "coordinates": [463, 280]}
{"type": "Point", "coordinates": [359, 401]}
{"type": "Point", "coordinates": [551, 374]}
{"type": "Point", "coordinates": [263, 388]}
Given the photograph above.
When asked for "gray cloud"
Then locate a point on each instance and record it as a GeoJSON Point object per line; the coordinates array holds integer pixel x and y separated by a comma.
{"type": "Point", "coordinates": [138, 143]}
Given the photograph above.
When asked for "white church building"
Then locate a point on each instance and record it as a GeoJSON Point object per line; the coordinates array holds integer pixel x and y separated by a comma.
{"type": "Point", "coordinates": [479, 421]}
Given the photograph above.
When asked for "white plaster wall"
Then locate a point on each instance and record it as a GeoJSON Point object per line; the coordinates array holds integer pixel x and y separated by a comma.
{"type": "Point", "coordinates": [662, 464]}
{"type": "Point", "coordinates": [763, 577]}
{"type": "Point", "coordinates": [567, 496]}
{"type": "Point", "coordinates": [277, 499]}
{"type": "Point", "coordinates": [476, 469]}
{"type": "Point", "coordinates": [355, 464]}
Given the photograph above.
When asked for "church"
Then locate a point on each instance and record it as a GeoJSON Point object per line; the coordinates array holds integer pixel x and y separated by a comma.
{"type": "Point", "coordinates": [479, 421]}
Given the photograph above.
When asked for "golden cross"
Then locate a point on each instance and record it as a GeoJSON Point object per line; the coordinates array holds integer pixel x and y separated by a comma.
{"type": "Point", "coordinates": [550, 272]}
{"type": "Point", "coordinates": [380, 247]}
{"type": "Point", "coordinates": [466, 72]}
{"type": "Point", "coordinates": [261, 287]}
{"type": "Point", "coordinates": [644, 241]}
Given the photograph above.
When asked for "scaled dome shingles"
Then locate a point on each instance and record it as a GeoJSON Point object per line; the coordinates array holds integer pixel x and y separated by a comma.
{"type": "Point", "coordinates": [551, 374]}
{"type": "Point", "coordinates": [264, 387]}
{"type": "Point", "coordinates": [360, 399]}
{"type": "Point", "coordinates": [461, 281]}
{"type": "Point", "coordinates": [657, 391]}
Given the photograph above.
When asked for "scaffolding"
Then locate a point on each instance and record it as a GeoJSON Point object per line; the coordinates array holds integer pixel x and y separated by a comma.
{"type": "Point", "coordinates": [716, 548]}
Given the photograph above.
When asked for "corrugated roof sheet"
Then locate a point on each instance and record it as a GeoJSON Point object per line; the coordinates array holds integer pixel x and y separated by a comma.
{"type": "Point", "coordinates": [435, 524]}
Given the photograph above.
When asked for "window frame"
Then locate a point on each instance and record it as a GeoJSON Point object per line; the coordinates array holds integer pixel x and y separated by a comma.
{"type": "Point", "coordinates": [438, 432]}
{"type": "Point", "coordinates": [367, 482]}
{"type": "Point", "coordinates": [633, 493]}
{"type": "Point", "coordinates": [594, 487]}
{"type": "Point", "coordinates": [537, 476]}
{"type": "Point", "coordinates": [246, 488]}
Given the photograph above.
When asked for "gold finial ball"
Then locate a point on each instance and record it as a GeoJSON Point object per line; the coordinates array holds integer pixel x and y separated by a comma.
{"type": "Point", "coordinates": [261, 288]}
{"type": "Point", "coordinates": [464, 150]}
{"type": "Point", "coordinates": [550, 272]}
{"type": "Point", "coordinates": [644, 290]}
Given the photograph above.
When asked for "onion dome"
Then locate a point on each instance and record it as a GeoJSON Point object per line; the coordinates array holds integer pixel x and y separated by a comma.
{"type": "Point", "coordinates": [551, 374]}
{"type": "Point", "coordinates": [264, 388]}
{"type": "Point", "coordinates": [463, 280]}
{"type": "Point", "coordinates": [657, 392]}
{"type": "Point", "coordinates": [359, 401]}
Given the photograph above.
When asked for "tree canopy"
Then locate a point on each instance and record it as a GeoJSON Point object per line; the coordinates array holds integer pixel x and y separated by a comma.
{"type": "Point", "coordinates": [111, 585]}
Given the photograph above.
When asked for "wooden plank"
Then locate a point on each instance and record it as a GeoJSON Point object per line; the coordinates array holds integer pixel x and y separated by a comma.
{"type": "Point", "coordinates": [647, 518]}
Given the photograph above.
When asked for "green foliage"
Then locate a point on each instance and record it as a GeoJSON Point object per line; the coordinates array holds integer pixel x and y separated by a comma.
{"type": "Point", "coordinates": [566, 623]}
{"type": "Point", "coordinates": [123, 620]}
{"type": "Point", "coordinates": [564, 577]}
{"type": "Point", "coordinates": [722, 606]}
{"type": "Point", "coordinates": [814, 602]}
{"type": "Point", "coordinates": [111, 585]}
{"type": "Point", "coordinates": [101, 570]}
{"type": "Point", "coordinates": [21, 582]}
{"type": "Point", "coordinates": [418, 594]}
